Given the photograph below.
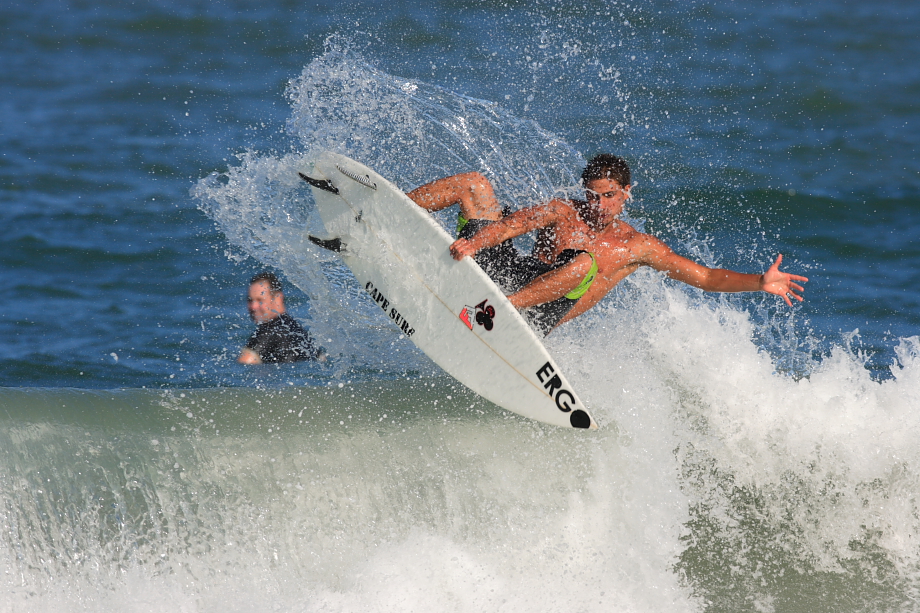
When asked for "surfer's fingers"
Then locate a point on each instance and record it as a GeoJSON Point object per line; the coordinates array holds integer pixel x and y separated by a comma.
{"type": "Point", "coordinates": [461, 248]}
{"type": "Point", "coordinates": [455, 249]}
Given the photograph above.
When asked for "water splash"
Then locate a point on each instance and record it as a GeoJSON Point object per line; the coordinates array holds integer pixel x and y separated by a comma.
{"type": "Point", "coordinates": [410, 132]}
{"type": "Point", "coordinates": [789, 481]}
{"type": "Point", "coordinates": [750, 481]}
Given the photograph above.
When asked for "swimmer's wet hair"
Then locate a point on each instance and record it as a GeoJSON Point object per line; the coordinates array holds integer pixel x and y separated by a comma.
{"type": "Point", "coordinates": [268, 277]}
{"type": "Point", "coordinates": [606, 166]}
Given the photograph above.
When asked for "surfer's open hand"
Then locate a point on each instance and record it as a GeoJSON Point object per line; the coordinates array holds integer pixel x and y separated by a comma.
{"type": "Point", "coordinates": [461, 248]}
{"type": "Point", "coordinates": [782, 283]}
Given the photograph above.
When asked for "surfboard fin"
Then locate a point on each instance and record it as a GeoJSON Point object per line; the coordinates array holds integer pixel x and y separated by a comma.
{"type": "Point", "coordinates": [320, 183]}
{"type": "Point", "coordinates": [332, 244]}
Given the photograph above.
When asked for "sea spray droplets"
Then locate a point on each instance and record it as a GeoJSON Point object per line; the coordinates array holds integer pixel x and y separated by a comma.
{"type": "Point", "coordinates": [338, 104]}
{"type": "Point", "coordinates": [342, 103]}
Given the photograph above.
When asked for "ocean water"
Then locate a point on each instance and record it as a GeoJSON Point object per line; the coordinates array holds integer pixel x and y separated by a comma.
{"type": "Point", "coordinates": [751, 456]}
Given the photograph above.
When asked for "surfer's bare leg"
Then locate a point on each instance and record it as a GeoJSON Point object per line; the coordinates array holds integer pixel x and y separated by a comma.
{"type": "Point", "coordinates": [471, 190]}
{"type": "Point", "coordinates": [553, 284]}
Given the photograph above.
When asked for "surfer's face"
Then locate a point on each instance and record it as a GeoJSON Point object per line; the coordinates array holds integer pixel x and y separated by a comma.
{"type": "Point", "coordinates": [263, 305]}
{"type": "Point", "coordinates": [607, 198]}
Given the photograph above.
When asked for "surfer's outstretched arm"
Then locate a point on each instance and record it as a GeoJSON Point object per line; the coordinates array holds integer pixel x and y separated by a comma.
{"type": "Point", "coordinates": [660, 257]}
{"type": "Point", "coordinates": [471, 190]}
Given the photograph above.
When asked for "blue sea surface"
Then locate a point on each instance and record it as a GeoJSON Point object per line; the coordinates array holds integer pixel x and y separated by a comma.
{"type": "Point", "coordinates": [756, 457]}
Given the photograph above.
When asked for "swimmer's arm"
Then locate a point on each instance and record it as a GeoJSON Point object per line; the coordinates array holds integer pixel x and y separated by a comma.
{"type": "Point", "coordinates": [660, 257]}
{"type": "Point", "coordinates": [517, 223]}
{"type": "Point", "coordinates": [248, 356]}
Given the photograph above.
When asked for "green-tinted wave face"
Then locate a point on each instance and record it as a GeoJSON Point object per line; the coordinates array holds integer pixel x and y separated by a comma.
{"type": "Point", "coordinates": [776, 488]}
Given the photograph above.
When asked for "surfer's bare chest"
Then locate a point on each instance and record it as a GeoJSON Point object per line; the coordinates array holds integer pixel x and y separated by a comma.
{"type": "Point", "coordinates": [566, 234]}
{"type": "Point", "coordinates": [616, 250]}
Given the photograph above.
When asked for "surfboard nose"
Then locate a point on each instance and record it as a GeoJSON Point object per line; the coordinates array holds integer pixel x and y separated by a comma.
{"type": "Point", "coordinates": [580, 419]}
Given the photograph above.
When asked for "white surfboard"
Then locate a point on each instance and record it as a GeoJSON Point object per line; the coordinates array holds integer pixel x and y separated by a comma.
{"type": "Point", "coordinates": [451, 310]}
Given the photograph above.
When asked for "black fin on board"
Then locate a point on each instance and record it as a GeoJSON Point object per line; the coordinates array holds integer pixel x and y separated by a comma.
{"type": "Point", "coordinates": [320, 183]}
{"type": "Point", "coordinates": [332, 244]}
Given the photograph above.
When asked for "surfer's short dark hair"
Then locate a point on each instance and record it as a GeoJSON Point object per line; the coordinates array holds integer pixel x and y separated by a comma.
{"type": "Point", "coordinates": [606, 166]}
{"type": "Point", "coordinates": [274, 284]}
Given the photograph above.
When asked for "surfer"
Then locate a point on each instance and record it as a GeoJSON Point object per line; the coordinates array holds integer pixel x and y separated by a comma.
{"type": "Point", "coordinates": [582, 250]}
{"type": "Point", "coordinates": [279, 338]}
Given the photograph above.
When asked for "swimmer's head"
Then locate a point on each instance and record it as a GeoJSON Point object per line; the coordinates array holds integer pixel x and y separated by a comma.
{"type": "Point", "coordinates": [265, 300]}
{"type": "Point", "coordinates": [269, 277]}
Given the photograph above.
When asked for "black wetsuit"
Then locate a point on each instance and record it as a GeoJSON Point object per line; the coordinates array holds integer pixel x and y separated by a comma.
{"type": "Point", "coordinates": [282, 339]}
{"type": "Point", "coordinates": [511, 270]}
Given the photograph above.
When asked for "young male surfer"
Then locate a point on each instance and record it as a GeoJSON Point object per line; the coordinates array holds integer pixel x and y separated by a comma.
{"type": "Point", "coordinates": [582, 250]}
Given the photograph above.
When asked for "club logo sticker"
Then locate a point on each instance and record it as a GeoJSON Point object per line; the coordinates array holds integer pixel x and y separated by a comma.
{"type": "Point", "coordinates": [483, 314]}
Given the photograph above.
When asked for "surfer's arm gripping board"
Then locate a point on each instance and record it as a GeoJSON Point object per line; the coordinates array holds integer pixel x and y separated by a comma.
{"type": "Point", "coordinates": [513, 225]}
{"type": "Point", "coordinates": [550, 216]}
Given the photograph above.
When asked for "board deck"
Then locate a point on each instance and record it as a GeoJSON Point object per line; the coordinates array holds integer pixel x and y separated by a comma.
{"type": "Point", "coordinates": [451, 310]}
